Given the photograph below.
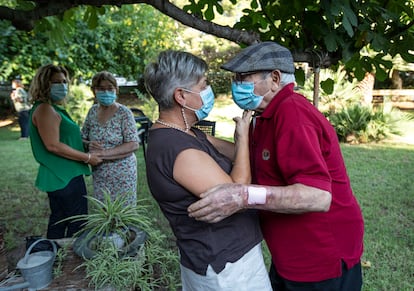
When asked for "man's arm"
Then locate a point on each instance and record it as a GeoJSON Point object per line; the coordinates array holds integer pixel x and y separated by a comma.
{"type": "Point", "coordinates": [227, 199]}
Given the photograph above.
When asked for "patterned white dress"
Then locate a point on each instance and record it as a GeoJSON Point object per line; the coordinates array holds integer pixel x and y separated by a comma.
{"type": "Point", "coordinates": [119, 177]}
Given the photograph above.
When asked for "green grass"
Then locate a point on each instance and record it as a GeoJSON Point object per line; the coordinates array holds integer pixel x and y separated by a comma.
{"type": "Point", "coordinates": [382, 177]}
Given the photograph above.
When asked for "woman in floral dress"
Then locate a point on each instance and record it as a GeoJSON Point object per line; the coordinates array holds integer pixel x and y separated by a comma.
{"type": "Point", "coordinates": [110, 131]}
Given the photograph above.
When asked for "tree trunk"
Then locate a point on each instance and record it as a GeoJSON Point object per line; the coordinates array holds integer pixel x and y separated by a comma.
{"type": "Point", "coordinates": [366, 86]}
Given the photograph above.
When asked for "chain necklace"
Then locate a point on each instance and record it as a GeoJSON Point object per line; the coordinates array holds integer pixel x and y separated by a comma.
{"type": "Point", "coordinates": [171, 125]}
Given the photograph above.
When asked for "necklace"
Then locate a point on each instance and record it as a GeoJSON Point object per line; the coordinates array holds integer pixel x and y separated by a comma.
{"type": "Point", "coordinates": [171, 125]}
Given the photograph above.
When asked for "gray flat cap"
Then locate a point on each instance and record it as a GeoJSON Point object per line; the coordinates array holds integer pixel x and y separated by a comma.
{"type": "Point", "coordinates": [263, 56]}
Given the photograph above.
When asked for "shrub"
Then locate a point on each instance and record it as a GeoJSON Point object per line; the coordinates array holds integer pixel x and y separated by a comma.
{"type": "Point", "coordinates": [362, 124]}
{"type": "Point", "coordinates": [78, 102]}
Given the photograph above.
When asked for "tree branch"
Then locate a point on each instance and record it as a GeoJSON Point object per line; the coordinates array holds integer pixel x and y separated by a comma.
{"type": "Point", "coordinates": [25, 20]}
{"type": "Point", "coordinates": [235, 35]}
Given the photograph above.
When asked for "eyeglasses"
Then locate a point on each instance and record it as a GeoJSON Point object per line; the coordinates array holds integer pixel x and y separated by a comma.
{"type": "Point", "coordinates": [105, 89]}
{"type": "Point", "coordinates": [241, 77]}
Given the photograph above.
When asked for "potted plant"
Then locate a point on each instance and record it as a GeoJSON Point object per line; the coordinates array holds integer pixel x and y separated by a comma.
{"type": "Point", "coordinates": [111, 221]}
{"type": "Point", "coordinates": [108, 270]}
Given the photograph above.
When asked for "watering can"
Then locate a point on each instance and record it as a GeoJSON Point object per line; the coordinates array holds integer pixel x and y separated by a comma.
{"type": "Point", "coordinates": [36, 268]}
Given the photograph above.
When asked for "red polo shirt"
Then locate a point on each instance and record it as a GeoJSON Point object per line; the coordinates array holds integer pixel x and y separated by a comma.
{"type": "Point", "coordinates": [292, 142]}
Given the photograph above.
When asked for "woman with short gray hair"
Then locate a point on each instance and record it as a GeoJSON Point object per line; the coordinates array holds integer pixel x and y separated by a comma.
{"type": "Point", "coordinates": [183, 162]}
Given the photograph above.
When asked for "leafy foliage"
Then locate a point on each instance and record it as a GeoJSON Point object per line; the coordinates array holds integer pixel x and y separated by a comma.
{"type": "Point", "coordinates": [153, 267]}
{"type": "Point", "coordinates": [109, 266]}
{"type": "Point", "coordinates": [344, 29]}
{"type": "Point", "coordinates": [339, 93]}
{"type": "Point", "coordinates": [109, 269]}
{"type": "Point", "coordinates": [111, 216]}
{"type": "Point", "coordinates": [362, 124]}
{"type": "Point", "coordinates": [354, 121]}
{"type": "Point", "coordinates": [87, 40]}
{"type": "Point", "coordinates": [78, 102]}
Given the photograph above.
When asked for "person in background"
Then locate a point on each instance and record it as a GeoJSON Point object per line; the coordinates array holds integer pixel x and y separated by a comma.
{"type": "Point", "coordinates": [310, 218]}
{"type": "Point", "coordinates": [22, 106]}
{"type": "Point", "coordinates": [110, 131]}
{"type": "Point", "coordinates": [57, 147]}
{"type": "Point", "coordinates": [182, 162]}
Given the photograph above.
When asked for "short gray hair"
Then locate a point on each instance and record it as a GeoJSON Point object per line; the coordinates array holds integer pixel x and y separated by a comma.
{"type": "Point", "coordinates": [287, 78]}
{"type": "Point", "coordinates": [171, 70]}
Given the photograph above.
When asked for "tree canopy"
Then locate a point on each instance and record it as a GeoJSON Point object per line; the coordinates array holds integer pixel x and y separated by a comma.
{"type": "Point", "coordinates": [359, 33]}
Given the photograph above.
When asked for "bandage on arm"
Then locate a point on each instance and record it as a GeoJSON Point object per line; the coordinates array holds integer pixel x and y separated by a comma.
{"type": "Point", "coordinates": [256, 195]}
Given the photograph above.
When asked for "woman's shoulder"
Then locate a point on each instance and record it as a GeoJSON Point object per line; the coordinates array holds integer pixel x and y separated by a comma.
{"type": "Point", "coordinates": [43, 106]}
{"type": "Point", "coordinates": [124, 108]}
{"type": "Point", "coordinates": [94, 107]}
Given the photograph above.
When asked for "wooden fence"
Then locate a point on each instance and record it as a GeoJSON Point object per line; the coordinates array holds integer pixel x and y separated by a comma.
{"type": "Point", "coordinates": [400, 98]}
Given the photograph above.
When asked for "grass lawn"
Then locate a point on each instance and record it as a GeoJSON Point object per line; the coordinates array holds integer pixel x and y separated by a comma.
{"type": "Point", "coordinates": [382, 177]}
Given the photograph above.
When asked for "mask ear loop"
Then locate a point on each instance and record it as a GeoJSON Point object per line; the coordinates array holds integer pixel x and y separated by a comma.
{"type": "Point", "coordinates": [260, 81]}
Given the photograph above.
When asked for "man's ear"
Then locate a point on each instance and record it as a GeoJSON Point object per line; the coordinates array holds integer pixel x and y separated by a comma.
{"type": "Point", "coordinates": [276, 76]}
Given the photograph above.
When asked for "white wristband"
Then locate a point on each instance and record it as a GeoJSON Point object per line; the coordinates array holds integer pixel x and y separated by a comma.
{"type": "Point", "coordinates": [257, 195]}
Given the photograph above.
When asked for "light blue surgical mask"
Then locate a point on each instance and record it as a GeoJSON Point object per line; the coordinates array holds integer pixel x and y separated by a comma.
{"type": "Point", "coordinates": [207, 97]}
{"type": "Point", "coordinates": [58, 91]}
{"type": "Point", "coordinates": [243, 94]}
{"type": "Point", "coordinates": [106, 98]}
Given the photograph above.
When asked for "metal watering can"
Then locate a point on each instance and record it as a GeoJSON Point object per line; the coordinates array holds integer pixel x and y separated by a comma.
{"type": "Point", "coordinates": [36, 268]}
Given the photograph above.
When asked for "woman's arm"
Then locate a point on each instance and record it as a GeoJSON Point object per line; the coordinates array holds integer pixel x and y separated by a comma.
{"type": "Point", "coordinates": [241, 165]}
{"type": "Point", "coordinates": [117, 152]}
{"type": "Point", "coordinates": [197, 171]}
{"type": "Point", "coordinates": [47, 122]}
{"type": "Point", "coordinates": [238, 152]}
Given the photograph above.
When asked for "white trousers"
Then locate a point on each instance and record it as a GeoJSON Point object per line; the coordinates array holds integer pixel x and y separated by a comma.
{"type": "Point", "coordinates": [247, 274]}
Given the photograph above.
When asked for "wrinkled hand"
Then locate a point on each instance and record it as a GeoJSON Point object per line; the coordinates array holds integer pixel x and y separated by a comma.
{"type": "Point", "coordinates": [95, 147]}
{"type": "Point", "coordinates": [242, 125]}
{"type": "Point", "coordinates": [218, 203]}
{"type": "Point", "coordinates": [95, 160]}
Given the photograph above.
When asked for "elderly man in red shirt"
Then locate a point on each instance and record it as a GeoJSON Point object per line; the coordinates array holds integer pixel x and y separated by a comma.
{"type": "Point", "coordinates": [310, 218]}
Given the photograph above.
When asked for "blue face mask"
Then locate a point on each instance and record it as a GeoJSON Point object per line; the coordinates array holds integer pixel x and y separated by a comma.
{"type": "Point", "coordinates": [58, 91]}
{"type": "Point", "coordinates": [243, 95]}
{"type": "Point", "coordinates": [207, 97]}
{"type": "Point", "coordinates": [106, 98]}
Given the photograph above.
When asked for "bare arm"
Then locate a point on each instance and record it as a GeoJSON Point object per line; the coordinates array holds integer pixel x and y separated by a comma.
{"type": "Point", "coordinates": [239, 151]}
{"type": "Point", "coordinates": [196, 171]}
{"type": "Point", "coordinates": [241, 165]}
{"type": "Point", "coordinates": [118, 152]}
{"type": "Point", "coordinates": [225, 200]}
{"type": "Point", "coordinates": [47, 121]}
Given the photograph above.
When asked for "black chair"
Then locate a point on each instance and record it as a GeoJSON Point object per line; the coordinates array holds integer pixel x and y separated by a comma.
{"type": "Point", "coordinates": [145, 124]}
{"type": "Point", "coordinates": [206, 126]}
